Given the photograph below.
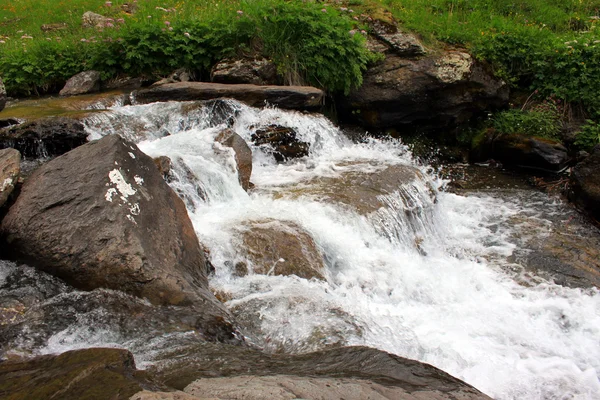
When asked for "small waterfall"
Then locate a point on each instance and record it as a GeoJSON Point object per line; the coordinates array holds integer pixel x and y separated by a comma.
{"type": "Point", "coordinates": [412, 270]}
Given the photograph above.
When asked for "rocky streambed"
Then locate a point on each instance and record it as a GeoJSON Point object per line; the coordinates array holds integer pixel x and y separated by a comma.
{"type": "Point", "coordinates": [245, 268]}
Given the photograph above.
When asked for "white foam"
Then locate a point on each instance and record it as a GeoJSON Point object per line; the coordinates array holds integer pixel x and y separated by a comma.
{"type": "Point", "coordinates": [446, 301]}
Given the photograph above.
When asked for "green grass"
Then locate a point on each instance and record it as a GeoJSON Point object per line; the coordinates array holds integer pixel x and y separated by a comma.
{"type": "Point", "coordinates": [310, 43]}
{"type": "Point", "coordinates": [546, 47]}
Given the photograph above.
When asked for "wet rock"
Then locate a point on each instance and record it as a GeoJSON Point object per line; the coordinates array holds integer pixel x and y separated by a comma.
{"type": "Point", "coordinates": [43, 309]}
{"type": "Point", "coordinates": [243, 155]}
{"type": "Point", "coordinates": [529, 152]}
{"type": "Point", "coordinates": [10, 160]}
{"type": "Point", "coordinates": [164, 165]}
{"type": "Point", "coordinates": [365, 192]}
{"type": "Point", "coordinates": [431, 92]}
{"type": "Point", "coordinates": [360, 363]}
{"type": "Point", "coordinates": [282, 248]}
{"type": "Point", "coordinates": [4, 123]}
{"type": "Point", "coordinates": [101, 216]}
{"type": "Point", "coordinates": [291, 97]}
{"type": "Point", "coordinates": [253, 71]}
{"type": "Point", "coordinates": [80, 374]}
{"type": "Point", "coordinates": [82, 83]}
{"type": "Point", "coordinates": [585, 184]}
{"type": "Point", "coordinates": [45, 137]}
{"type": "Point", "coordinates": [281, 141]}
{"type": "Point", "coordinates": [2, 95]}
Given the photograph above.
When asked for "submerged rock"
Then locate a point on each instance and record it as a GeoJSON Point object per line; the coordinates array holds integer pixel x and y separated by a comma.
{"type": "Point", "coordinates": [243, 155]}
{"type": "Point", "coordinates": [101, 216]}
{"type": "Point", "coordinates": [46, 137]}
{"type": "Point", "coordinates": [292, 97]}
{"type": "Point", "coordinates": [431, 92]}
{"type": "Point", "coordinates": [253, 71]}
{"type": "Point", "coordinates": [79, 374]}
{"type": "Point", "coordinates": [361, 191]}
{"type": "Point", "coordinates": [281, 141]}
{"type": "Point", "coordinates": [10, 160]}
{"type": "Point", "coordinates": [82, 83]}
{"type": "Point", "coordinates": [585, 184]}
{"type": "Point", "coordinates": [282, 248]}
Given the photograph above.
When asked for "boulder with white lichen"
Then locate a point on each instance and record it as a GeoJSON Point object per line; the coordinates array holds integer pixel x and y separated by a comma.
{"type": "Point", "coordinates": [101, 216]}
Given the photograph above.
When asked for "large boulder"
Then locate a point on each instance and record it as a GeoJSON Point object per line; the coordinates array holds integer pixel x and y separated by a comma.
{"type": "Point", "coordinates": [83, 83]}
{"type": "Point", "coordinates": [433, 91]}
{"type": "Point", "coordinates": [349, 364]}
{"type": "Point", "coordinates": [95, 373]}
{"type": "Point", "coordinates": [45, 137]}
{"type": "Point", "coordinates": [281, 141]}
{"type": "Point", "coordinates": [285, 387]}
{"type": "Point", "coordinates": [10, 161]}
{"type": "Point", "coordinates": [2, 95]}
{"type": "Point", "coordinates": [243, 154]}
{"type": "Point", "coordinates": [292, 97]}
{"type": "Point", "coordinates": [281, 248]}
{"type": "Point", "coordinates": [101, 216]}
{"type": "Point", "coordinates": [253, 71]}
{"type": "Point", "coordinates": [585, 184]}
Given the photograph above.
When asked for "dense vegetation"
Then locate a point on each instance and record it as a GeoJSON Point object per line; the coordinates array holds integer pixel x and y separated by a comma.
{"type": "Point", "coordinates": [548, 50]}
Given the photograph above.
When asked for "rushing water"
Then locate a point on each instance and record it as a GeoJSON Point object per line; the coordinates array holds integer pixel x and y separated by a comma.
{"type": "Point", "coordinates": [429, 277]}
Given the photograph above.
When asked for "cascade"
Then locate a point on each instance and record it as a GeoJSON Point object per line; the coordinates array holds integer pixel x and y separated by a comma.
{"type": "Point", "coordinates": [415, 271]}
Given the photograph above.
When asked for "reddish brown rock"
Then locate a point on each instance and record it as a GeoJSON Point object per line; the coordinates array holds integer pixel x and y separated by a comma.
{"type": "Point", "coordinates": [243, 155]}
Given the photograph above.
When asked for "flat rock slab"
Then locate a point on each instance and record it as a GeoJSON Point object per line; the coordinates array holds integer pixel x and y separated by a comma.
{"type": "Point", "coordinates": [81, 374]}
{"type": "Point", "coordinates": [10, 160]}
{"type": "Point", "coordinates": [290, 97]}
{"type": "Point", "coordinates": [288, 387]}
{"type": "Point", "coordinates": [352, 364]}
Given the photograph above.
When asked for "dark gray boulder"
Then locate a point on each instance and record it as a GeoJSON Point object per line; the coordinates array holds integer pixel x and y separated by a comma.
{"type": "Point", "coordinates": [290, 97]}
{"type": "Point", "coordinates": [101, 216]}
{"type": "Point", "coordinates": [82, 83]}
{"type": "Point", "coordinates": [585, 184]}
{"type": "Point", "coordinates": [530, 152]}
{"type": "Point", "coordinates": [45, 137]}
{"type": "Point", "coordinates": [281, 141]}
{"type": "Point", "coordinates": [432, 91]}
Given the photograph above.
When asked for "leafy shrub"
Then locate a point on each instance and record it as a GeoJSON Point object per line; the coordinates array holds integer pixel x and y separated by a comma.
{"type": "Point", "coordinates": [308, 43]}
{"type": "Point", "coordinates": [541, 121]}
{"type": "Point", "coordinates": [589, 136]}
{"type": "Point", "coordinates": [317, 46]}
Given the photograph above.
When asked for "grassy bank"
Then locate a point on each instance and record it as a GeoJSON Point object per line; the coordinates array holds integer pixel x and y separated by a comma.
{"type": "Point", "coordinates": [309, 43]}
{"type": "Point", "coordinates": [548, 50]}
